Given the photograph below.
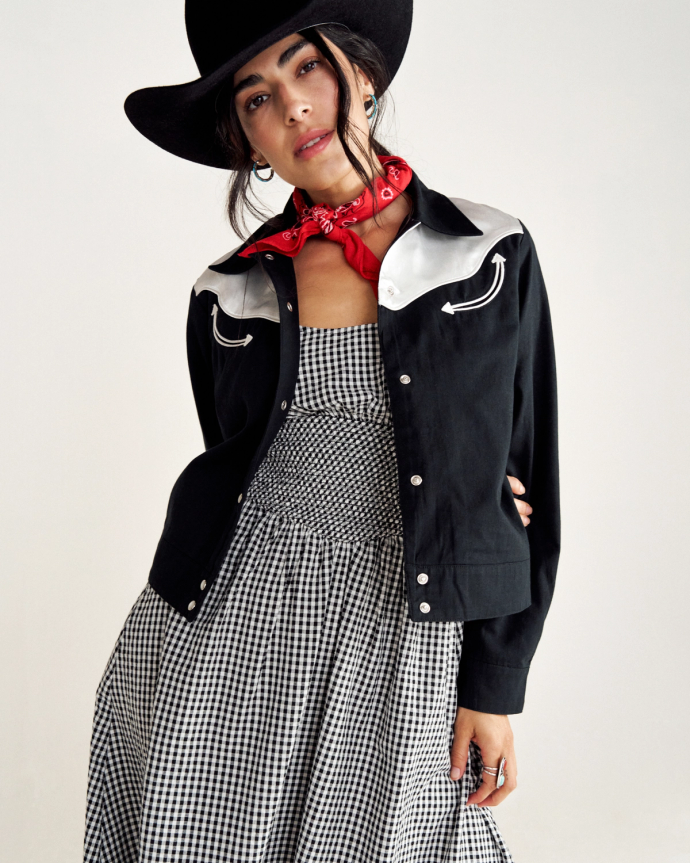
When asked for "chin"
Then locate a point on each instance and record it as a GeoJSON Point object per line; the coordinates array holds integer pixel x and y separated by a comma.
{"type": "Point", "coordinates": [323, 172]}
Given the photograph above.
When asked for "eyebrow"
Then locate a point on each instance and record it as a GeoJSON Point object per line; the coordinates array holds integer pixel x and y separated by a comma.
{"type": "Point", "coordinates": [284, 58]}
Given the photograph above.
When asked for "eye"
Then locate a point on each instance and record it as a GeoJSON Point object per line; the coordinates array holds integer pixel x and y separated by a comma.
{"type": "Point", "coordinates": [251, 104]}
{"type": "Point", "coordinates": [312, 63]}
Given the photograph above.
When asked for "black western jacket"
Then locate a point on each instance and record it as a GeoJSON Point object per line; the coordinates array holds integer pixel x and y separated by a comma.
{"type": "Point", "coordinates": [466, 340]}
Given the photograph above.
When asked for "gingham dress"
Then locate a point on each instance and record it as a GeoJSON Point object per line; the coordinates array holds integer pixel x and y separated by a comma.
{"type": "Point", "coordinates": [302, 716]}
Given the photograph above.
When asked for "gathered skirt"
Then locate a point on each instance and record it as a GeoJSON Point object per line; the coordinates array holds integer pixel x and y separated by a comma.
{"type": "Point", "coordinates": [302, 716]}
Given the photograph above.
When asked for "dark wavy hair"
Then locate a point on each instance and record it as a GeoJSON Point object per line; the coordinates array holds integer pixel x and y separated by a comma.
{"type": "Point", "coordinates": [358, 50]}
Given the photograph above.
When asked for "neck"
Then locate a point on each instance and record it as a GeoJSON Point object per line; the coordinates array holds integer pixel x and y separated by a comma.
{"type": "Point", "coordinates": [344, 190]}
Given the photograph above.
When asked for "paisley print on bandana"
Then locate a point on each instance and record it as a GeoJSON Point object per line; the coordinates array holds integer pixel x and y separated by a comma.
{"type": "Point", "coordinates": [333, 223]}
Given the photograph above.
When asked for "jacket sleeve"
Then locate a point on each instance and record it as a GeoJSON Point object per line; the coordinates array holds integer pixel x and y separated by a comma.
{"type": "Point", "coordinates": [497, 652]}
{"type": "Point", "coordinates": [201, 369]}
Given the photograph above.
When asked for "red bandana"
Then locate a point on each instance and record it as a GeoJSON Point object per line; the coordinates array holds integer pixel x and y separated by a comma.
{"type": "Point", "coordinates": [333, 223]}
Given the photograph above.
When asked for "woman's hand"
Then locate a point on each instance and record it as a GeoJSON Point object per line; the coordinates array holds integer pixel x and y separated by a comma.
{"type": "Point", "coordinates": [522, 506]}
{"type": "Point", "coordinates": [494, 737]}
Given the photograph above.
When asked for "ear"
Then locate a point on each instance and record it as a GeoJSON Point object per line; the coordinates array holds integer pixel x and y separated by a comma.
{"type": "Point", "coordinates": [363, 81]}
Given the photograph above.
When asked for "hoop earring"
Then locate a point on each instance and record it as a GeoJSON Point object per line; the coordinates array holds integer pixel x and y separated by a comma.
{"type": "Point", "coordinates": [371, 116]}
{"type": "Point", "coordinates": [254, 171]}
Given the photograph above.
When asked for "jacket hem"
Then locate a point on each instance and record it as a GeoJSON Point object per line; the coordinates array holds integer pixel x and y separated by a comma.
{"type": "Point", "coordinates": [467, 591]}
{"type": "Point", "coordinates": [172, 573]}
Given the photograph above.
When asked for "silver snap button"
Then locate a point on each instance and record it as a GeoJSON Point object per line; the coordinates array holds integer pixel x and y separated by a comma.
{"type": "Point", "coordinates": [416, 479]}
{"type": "Point", "coordinates": [239, 499]}
{"type": "Point", "coordinates": [388, 287]}
{"type": "Point", "coordinates": [203, 585]}
{"type": "Point", "coordinates": [283, 404]}
{"type": "Point", "coordinates": [269, 257]}
{"type": "Point", "coordinates": [424, 607]}
{"type": "Point", "coordinates": [191, 606]}
{"type": "Point", "coordinates": [405, 379]}
{"type": "Point", "coordinates": [422, 578]}
{"type": "Point", "coordinates": [289, 305]}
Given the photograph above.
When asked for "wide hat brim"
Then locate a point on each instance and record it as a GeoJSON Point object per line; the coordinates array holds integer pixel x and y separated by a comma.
{"type": "Point", "coordinates": [182, 118]}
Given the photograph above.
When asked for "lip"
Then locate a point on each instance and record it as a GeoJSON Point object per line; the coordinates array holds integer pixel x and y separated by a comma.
{"type": "Point", "coordinates": [316, 148]}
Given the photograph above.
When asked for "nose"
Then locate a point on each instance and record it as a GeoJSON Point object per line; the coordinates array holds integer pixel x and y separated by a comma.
{"type": "Point", "coordinates": [296, 108]}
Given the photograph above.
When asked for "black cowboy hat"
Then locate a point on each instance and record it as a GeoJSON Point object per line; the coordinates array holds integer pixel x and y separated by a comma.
{"type": "Point", "coordinates": [223, 36]}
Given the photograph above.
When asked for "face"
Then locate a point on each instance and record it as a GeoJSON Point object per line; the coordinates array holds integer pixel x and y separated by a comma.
{"type": "Point", "coordinates": [286, 97]}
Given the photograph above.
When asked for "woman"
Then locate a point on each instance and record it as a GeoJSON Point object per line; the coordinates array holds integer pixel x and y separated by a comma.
{"type": "Point", "coordinates": [345, 600]}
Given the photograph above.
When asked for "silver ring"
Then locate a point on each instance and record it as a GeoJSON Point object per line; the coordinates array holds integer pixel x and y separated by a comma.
{"type": "Point", "coordinates": [498, 773]}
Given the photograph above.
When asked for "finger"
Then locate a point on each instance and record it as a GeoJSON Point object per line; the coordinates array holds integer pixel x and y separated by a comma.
{"type": "Point", "coordinates": [523, 507]}
{"type": "Point", "coordinates": [510, 784]}
{"type": "Point", "coordinates": [515, 484]}
{"type": "Point", "coordinates": [491, 756]}
{"type": "Point", "coordinates": [459, 753]}
{"type": "Point", "coordinates": [487, 788]}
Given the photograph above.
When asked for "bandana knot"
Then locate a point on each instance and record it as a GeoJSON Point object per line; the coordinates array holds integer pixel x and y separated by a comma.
{"type": "Point", "coordinates": [327, 218]}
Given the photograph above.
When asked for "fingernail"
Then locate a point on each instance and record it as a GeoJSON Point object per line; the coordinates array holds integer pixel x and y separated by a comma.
{"type": "Point", "coordinates": [455, 773]}
{"type": "Point", "coordinates": [522, 488]}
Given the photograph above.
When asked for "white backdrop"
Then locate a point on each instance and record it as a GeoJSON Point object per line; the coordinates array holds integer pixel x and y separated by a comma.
{"type": "Point", "coordinates": [572, 116]}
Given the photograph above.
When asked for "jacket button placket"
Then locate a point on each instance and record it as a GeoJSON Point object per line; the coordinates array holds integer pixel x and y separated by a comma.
{"type": "Point", "coordinates": [415, 479]}
{"type": "Point", "coordinates": [422, 577]}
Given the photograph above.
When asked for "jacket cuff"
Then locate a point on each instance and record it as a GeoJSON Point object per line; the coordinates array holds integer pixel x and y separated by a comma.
{"type": "Point", "coordinates": [491, 688]}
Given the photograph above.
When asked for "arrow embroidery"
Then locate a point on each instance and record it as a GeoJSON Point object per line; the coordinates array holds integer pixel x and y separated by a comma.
{"type": "Point", "coordinates": [452, 308]}
{"type": "Point", "coordinates": [228, 343]}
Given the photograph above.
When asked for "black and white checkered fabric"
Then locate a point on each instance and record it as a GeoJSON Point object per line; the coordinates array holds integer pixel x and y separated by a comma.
{"type": "Point", "coordinates": [302, 716]}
